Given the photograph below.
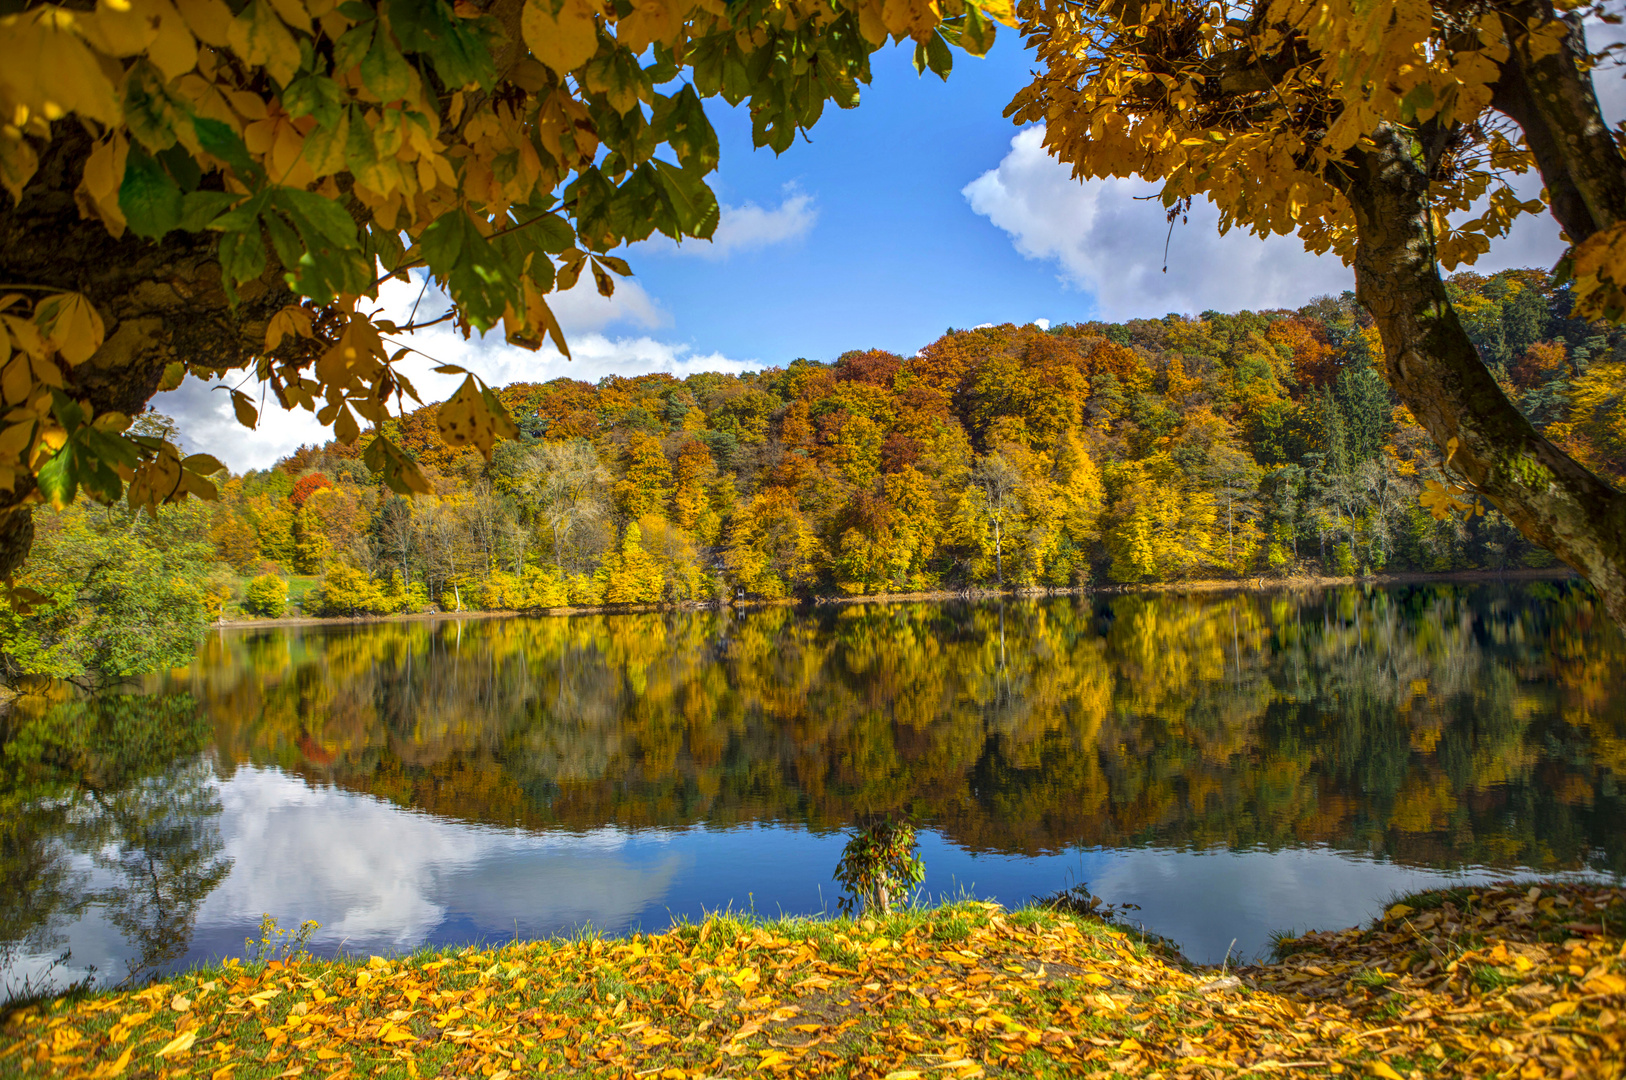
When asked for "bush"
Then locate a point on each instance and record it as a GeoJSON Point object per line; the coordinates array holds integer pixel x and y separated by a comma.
{"type": "Point", "coordinates": [535, 589]}
{"type": "Point", "coordinates": [346, 591]}
{"type": "Point", "coordinates": [266, 596]}
{"type": "Point", "coordinates": [1343, 561]}
{"type": "Point", "coordinates": [1276, 558]}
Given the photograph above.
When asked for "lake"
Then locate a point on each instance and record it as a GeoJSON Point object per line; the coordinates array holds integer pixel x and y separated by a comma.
{"type": "Point", "coordinates": [1234, 765]}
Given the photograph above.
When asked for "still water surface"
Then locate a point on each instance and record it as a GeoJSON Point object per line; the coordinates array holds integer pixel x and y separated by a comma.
{"type": "Point", "coordinates": [1233, 765]}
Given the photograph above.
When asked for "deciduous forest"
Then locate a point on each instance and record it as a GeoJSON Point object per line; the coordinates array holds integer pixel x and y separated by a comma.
{"type": "Point", "coordinates": [1218, 446]}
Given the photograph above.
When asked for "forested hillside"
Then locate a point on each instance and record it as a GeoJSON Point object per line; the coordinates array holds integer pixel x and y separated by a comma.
{"type": "Point", "coordinates": [1259, 443]}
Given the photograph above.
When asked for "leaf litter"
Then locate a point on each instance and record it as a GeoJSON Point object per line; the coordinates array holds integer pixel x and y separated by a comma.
{"type": "Point", "coordinates": [1500, 981]}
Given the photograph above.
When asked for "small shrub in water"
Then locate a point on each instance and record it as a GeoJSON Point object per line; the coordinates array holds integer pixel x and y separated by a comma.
{"type": "Point", "coordinates": [275, 943]}
{"type": "Point", "coordinates": [878, 866]}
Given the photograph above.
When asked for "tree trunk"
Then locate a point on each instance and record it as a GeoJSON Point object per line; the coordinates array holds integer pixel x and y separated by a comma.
{"type": "Point", "coordinates": [1553, 100]}
{"type": "Point", "coordinates": [161, 302]}
{"type": "Point", "coordinates": [1437, 372]}
{"type": "Point", "coordinates": [999, 555]}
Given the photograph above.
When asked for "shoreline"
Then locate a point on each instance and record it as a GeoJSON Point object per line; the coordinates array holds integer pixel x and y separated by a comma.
{"type": "Point", "coordinates": [1494, 980]}
{"type": "Point", "coordinates": [1203, 586]}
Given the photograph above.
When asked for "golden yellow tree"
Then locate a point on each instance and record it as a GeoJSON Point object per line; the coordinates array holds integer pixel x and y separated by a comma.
{"type": "Point", "coordinates": [1363, 126]}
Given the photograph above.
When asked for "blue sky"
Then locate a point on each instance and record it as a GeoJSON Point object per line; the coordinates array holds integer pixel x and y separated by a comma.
{"type": "Point", "coordinates": [896, 254]}
{"type": "Point", "coordinates": [923, 208]}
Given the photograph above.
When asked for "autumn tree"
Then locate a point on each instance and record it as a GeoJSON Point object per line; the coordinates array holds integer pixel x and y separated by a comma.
{"type": "Point", "coordinates": [995, 490]}
{"type": "Point", "coordinates": [198, 188]}
{"type": "Point", "coordinates": [1364, 128]}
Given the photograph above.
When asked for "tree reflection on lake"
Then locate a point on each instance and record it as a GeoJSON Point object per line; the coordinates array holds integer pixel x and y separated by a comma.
{"type": "Point", "coordinates": [1438, 728]}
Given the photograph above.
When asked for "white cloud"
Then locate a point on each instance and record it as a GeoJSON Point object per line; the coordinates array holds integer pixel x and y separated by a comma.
{"type": "Point", "coordinates": [1110, 244]}
{"type": "Point", "coordinates": [207, 424]}
{"type": "Point", "coordinates": [1108, 240]}
{"type": "Point", "coordinates": [748, 228]}
{"type": "Point", "coordinates": [379, 877]}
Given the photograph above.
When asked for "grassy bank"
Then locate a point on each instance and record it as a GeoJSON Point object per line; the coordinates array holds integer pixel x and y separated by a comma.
{"type": "Point", "coordinates": [1525, 981]}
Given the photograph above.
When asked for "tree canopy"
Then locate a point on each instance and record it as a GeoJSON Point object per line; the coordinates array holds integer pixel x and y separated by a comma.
{"type": "Point", "coordinates": [198, 187]}
{"type": "Point", "coordinates": [1364, 127]}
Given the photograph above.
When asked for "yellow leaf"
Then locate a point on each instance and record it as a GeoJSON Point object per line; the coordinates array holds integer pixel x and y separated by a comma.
{"type": "Point", "coordinates": [1001, 10]}
{"type": "Point", "coordinates": [898, 1074]}
{"type": "Point", "coordinates": [47, 70]}
{"type": "Point", "coordinates": [120, 28]}
{"type": "Point", "coordinates": [119, 1064]}
{"type": "Point", "coordinates": [18, 163]}
{"type": "Point", "coordinates": [210, 20]}
{"type": "Point", "coordinates": [564, 41]}
{"type": "Point", "coordinates": [259, 37]}
{"type": "Point", "coordinates": [98, 191]}
{"type": "Point", "coordinates": [180, 1044]}
{"type": "Point", "coordinates": [293, 13]}
{"type": "Point", "coordinates": [650, 21]}
{"type": "Point", "coordinates": [16, 381]}
{"type": "Point", "coordinates": [292, 319]}
{"type": "Point", "coordinates": [1399, 911]}
{"type": "Point", "coordinates": [71, 325]}
{"type": "Point", "coordinates": [1606, 984]}
{"type": "Point", "coordinates": [175, 50]}
{"type": "Point", "coordinates": [1382, 1069]}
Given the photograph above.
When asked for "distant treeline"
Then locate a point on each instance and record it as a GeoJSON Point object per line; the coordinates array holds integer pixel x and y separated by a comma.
{"type": "Point", "coordinates": [1259, 443]}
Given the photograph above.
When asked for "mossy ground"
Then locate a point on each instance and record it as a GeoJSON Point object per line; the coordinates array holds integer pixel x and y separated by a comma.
{"type": "Point", "coordinates": [1507, 981]}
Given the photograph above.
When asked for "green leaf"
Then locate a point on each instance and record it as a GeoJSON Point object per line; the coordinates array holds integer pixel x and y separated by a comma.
{"type": "Point", "coordinates": [151, 112]}
{"type": "Point", "coordinates": [200, 208]}
{"type": "Point", "coordinates": [692, 202]}
{"type": "Point", "coordinates": [593, 195]}
{"type": "Point", "coordinates": [259, 36]}
{"type": "Point", "coordinates": [479, 280]}
{"type": "Point", "coordinates": [58, 478]}
{"type": "Point", "coordinates": [354, 44]}
{"type": "Point", "coordinates": [977, 35]}
{"type": "Point", "coordinates": [385, 246]}
{"type": "Point", "coordinates": [687, 129]}
{"type": "Point", "coordinates": [325, 258]}
{"type": "Point", "coordinates": [400, 472]}
{"type": "Point", "coordinates": [1420, 97]}
{"type": "Point", "coordinates": [384, 70]}
{"type": "Point", "coordinates": [326, 147]}
{"type": "Point", "coordinates": [182, 166]}
{"type": "Point", "coordinates": [315, 95]}
{"type": "Point", "coordinates": [327, 218]}
{"type": "Point", "coordinates": [285, 242]}
{"type": "Point", "coordinates": [242, 256]}
{"type": "Point", "coordinates": [148, 197]}
{"type": "Point", "coordinates": [218, 140]}
{"type": "Point", "coordinates": [617, 75]}
{"type": "Point", "coordinates": [638, 208]}
{"type": "Point", "coordinates": [460, 49]}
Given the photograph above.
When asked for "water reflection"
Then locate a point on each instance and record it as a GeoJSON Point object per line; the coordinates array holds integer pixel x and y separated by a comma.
{"type": "Point", "coordinates": [1233, 764]}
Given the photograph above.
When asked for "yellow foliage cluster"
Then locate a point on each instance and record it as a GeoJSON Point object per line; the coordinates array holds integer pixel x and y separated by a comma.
{"type": "Point", "coordinates": [1255, 105]}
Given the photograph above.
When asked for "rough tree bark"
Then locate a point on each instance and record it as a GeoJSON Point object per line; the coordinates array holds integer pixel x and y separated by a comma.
{"type": "Point", "coordinates": [1437, 372]}
{"type": "Point", "coordinates": [160, 302]}
{"type": "Point", "coordinates": [1553, 100]}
